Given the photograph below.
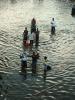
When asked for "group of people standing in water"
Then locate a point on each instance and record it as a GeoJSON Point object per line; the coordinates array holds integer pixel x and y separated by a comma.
{"type": "Point", "coordinates": [24, 60]}
{"type": "Point", "coordinates": [34, 56]}
{"type": "Point", "coordinates": [28, 40]}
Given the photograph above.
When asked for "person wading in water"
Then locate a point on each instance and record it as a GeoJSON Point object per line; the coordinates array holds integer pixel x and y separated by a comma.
{"type": "Point", "coordinates": [35, 56]}
{"type": "Point", "coordinates": [25, 36]}
{"type": "Point", "coordinates": [37, 37]}
{"type": "Point", "coordinates": [33, 25]}
{"type": "Point", "coordinates": [53, 25]}
{"type": "Point", "coordinates": [46, 67]}
{"type": "Point", "coordinates": [24, 64]}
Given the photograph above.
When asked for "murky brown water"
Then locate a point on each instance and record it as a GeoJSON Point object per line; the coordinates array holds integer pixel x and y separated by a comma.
{"type": "Point", "coordinates": [60, 49]}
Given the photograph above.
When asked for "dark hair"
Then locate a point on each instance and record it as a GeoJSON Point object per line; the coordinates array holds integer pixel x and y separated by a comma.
{"type": "Point", "coordinates": [52, 18]}
{"type": "Point", "coordinates": [45, 57]}
{"type": "Point", "coordinates": [25, 27]}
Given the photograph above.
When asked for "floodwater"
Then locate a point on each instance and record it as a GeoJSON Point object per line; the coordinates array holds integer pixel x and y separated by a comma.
{"type": "Point", "coordinates": [15, 15]}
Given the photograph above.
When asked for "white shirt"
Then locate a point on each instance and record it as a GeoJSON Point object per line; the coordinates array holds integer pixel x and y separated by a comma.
{"type": "Point", "coordinates": [53, 24]}
{"type": "Point", "coordinates": [24, 57]}
{"type": "Point", "coordinates": [31, 36]}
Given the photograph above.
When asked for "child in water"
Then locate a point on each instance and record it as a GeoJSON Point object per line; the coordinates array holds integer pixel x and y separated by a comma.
{"type": "Point", "coordinates": [46, 67]}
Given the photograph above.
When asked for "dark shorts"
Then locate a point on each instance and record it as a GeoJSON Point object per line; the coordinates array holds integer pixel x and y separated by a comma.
{"type": "Point", "coordinates": [53, 30]}
{"type": "Point", "coordinates": [24, 64]}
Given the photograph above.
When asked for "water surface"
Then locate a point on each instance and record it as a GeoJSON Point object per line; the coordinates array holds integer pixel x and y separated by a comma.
{"type": "Point", "coordinates": [15, 15]}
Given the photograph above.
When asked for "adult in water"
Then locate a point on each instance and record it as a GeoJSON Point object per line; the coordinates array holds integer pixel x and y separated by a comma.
{"type": "Point", "coordinates": [33, 25]}
{"type": "Point", "coordinates": [35, 56]}
{"type": "Point", "coordinates": [31, 38]}
{"type": "Point", "coordinates": [24, 63]}
{"type": "Point", "coordinates": [25, 35]}
{"type": "Point", "coordinates": [37, 37]}
{"type": "Point", "coordinates": [53, 25]}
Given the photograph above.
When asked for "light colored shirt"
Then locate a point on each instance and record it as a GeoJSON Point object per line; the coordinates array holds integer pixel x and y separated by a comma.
{"type": "Point", "coordinates": [45, 63]}
{"type": "Point", "coordinates": [53, 24]}
{"type": "Point", "coordinates": [24, 57]}
{"type": "Point", "coordinates": [31, 36]}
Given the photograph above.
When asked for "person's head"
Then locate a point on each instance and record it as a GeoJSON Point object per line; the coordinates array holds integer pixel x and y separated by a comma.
{"type": "Point", "coordinates": [53, 19]}
{"type": "Point", "coordinates": [33, 53]}
{"type": "Point", "coordinates": [25, 28]}
{"type": "Point", "coordinates": [45, 58]}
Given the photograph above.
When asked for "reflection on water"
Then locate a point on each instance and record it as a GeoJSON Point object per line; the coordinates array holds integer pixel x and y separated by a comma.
{"type": "Point", "coordinates": [15, 15]}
